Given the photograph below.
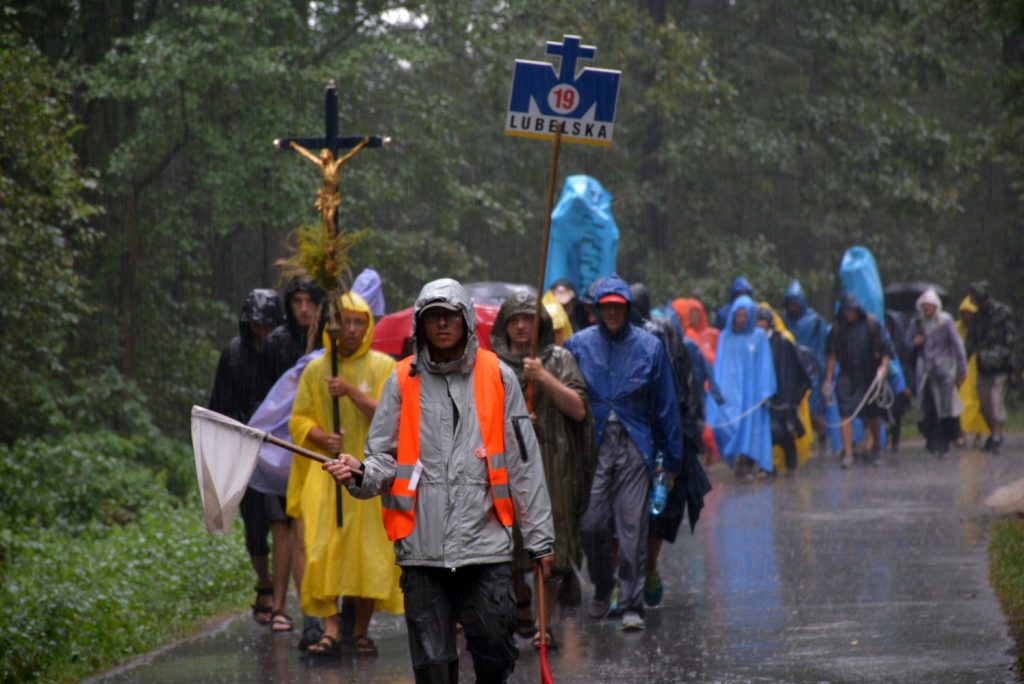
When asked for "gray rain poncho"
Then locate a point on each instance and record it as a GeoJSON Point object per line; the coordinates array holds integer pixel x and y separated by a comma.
{"type": "Point", "coordinates": [567, 446]}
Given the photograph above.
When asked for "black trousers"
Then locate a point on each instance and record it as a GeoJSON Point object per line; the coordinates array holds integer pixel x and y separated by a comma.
{"type": "Point", "coordinates": [481, 599]}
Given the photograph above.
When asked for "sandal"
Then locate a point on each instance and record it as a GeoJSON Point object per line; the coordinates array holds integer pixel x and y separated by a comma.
{"type": "Point", "coordinates": [365, 646]}
{"type": "Point", "coordinates": [524, 625]}
{"type": "Point", "coordinates": [281, 622]}
{"type": "Point", "coordinates": [327, 647]}
{"type": "Point", "coordinates": [552, 644]}
{"type": "Point", "coordinates": [311, 634]}
{"type": "Point", "coordinates": [261, 613]}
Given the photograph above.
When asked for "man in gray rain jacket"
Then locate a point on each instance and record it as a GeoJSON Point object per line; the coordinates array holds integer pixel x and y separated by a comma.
{"type": "Point", "coordinates": [452, 452]}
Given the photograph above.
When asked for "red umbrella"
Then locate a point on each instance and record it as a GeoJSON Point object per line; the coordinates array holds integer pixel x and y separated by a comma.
{"type": "Point", "coordinates": [392, 333]}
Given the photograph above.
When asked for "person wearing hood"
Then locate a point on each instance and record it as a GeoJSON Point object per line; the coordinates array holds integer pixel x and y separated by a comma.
{"type": "Point", "coordinates": [794, 376]}
{"type": "Point", "coordinates": [746, 378]}
{"type": "Point", "coordinates": [862, 349]}
{"type": "Point", "coordinates": [561, 418]}
{"type": "Point", "coordinates": [992, 336]}
{"type": "Point", "coordinates": [636, 418]}
{"type": "Point", "coordinates": [810, 330]}
{"type": "Point", "coordinates": [564, 292]}
{"type": "Point", "coordinates": [694, 320]}
{"type": "Point", "coordinates": [453, 453]}
{"type": "Point", "coordinates": [297, 336]}
{"type": "Point", "coordinates": [941, 369]}
{"type": "Point", "coordinates": [368, 286]}
{"type": "Point", "coordinates": [692, 483]}
{"type": "Point", "coordinates": [740, 286]}
{"type": "Point", "coordinates": [971, 420]}
{"type": "Point", "coordinates": [353, 559]}
{"type": "Point", "coordinates": [245, 373]}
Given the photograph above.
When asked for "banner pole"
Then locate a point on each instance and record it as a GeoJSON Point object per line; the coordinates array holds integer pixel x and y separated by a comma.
{"type": "Point", "coordinates": [552, 178]}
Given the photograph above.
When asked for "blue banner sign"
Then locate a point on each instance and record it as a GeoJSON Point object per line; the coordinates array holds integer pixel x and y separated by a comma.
{"type": "Point", "coordinates": [542, 97]}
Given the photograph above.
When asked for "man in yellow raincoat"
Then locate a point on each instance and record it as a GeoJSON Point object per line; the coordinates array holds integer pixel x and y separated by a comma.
{"type": "Point", "coordinates": [355, 559]}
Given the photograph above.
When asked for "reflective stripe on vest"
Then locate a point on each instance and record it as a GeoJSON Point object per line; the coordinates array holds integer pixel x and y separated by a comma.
{"type": "Point", "coordinates": [399, 505]}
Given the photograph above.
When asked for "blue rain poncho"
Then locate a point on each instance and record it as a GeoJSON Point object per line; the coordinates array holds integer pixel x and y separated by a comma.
{"type": "Point", "coordinates": [584, 236]}
{"type": "Point", "coordinates": [746, 378]}
{"type": "Point", "coordinates": [740, 286]}
{"type": "Point", "coordinates": [811, 331]}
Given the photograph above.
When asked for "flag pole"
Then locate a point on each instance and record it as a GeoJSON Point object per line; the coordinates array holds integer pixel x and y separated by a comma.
{"type": "Point", "coordinates": [556, 149]}
{"type": "Point", "coordinates": [552, 178]}
{"type": "Point", "coordinates": [295, 448]}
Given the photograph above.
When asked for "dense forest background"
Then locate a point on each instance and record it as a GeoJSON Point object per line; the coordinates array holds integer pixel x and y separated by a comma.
{"type": "Point", "coordinates": [140, 197]}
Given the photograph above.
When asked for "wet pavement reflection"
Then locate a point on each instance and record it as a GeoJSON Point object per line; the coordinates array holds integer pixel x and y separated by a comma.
{"type": "Point", "coordinates": [872, 574]}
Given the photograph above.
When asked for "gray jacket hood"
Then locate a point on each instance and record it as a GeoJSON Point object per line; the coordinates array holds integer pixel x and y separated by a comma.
{"type": "Point", "coordinates": [451, 292]}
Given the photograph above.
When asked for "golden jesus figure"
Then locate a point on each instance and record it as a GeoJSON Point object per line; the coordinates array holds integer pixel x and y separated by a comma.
{"type": "Point", "coordinates": [328, 199]}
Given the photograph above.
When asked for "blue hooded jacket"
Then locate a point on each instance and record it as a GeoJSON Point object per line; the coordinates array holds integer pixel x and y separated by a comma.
{"type": "Point", "coordinates": [629, 371]}
{"type": "Point", "coordinates": [809, 329]}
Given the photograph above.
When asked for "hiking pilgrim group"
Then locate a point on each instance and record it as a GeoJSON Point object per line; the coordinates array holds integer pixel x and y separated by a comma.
{"type": "Point", "coordinates": [470, 474]}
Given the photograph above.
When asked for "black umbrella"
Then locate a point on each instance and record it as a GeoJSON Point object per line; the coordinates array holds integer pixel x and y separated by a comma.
{"type": "Point", "coordinates": [903, 296]}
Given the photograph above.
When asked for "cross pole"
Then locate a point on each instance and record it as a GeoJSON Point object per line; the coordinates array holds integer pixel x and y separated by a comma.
{"type": "Point", "coordinates": [332, 142]}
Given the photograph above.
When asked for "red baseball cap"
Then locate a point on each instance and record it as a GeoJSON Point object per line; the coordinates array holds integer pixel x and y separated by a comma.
{"type": "Point", "coordinates": [612, 297]}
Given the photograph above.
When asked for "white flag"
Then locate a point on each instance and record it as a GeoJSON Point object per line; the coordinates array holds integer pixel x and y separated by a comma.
{"type": "Point", "coordinates": [226, 453]}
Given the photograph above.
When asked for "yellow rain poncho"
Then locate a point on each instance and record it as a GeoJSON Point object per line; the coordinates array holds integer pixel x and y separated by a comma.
{"type": "Point", "coordinates": [803, 444]}
{"type": "Point", "coordinates": [971, 420]}
{"type": "Point", "coordinates": [559, 318]}
{"type": "Point", "coordinates": [356, 559]}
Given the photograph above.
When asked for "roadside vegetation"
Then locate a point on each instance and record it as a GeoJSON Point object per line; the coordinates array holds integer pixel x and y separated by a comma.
{"type": "Point", "coordinates": [1006, 551]}
{"type": "Point", "coordinates": [104, 554]}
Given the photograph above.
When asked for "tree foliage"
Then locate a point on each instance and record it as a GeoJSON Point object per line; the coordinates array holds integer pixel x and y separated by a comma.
{"type": "Point", "coordinates": [752, 137]}
{"type": "Point", "coordinates": [43, 215]}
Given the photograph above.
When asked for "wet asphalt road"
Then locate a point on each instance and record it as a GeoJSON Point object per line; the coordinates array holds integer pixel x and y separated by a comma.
{"type": "Point", "coordinates": [873, 574]}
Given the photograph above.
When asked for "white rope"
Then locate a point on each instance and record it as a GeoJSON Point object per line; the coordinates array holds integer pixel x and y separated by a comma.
{"type": "Point", "coordinates": [878, 392]}
{"type": "Point", "coordinates": [741, 416]}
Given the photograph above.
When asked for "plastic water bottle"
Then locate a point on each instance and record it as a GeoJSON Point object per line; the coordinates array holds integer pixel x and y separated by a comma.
{"type": "Point", "coordinates": [659, 489]}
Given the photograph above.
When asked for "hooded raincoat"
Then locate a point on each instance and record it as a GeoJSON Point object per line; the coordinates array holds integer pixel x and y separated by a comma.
{"type": "Point", "coordinates": [703, 334]}
{"type": "Point", "coordinates": [245, 372]}
{"type": "Point", "coordinates": [567, 446]}
{"type": "Point", "coordinates": [740, 286]}
{"type": "Point", "coordinates": [971, 420]}
{"type": "Point", "coordinates": [288, 342]}
{"type": "Point", "coordinates": [355, 559]}
{"type": "Point", "coordinates": [808, 328]}
{"type": "Point", "coordinates": [796, 372]}
{"type": "Point", "coordinates": [456, 524]}
{"type": "Point", "coordinates": [858, 348]}
{"type": "Point", "coordinates": [630, 372]}
{"type": "Point", "coordinates": [940, 360]}
{"type": "Point", "coordinates": [746, 379]}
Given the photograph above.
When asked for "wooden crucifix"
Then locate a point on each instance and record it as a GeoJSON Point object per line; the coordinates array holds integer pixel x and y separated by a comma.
{"type": "Point", "coordinates": [327, 202]}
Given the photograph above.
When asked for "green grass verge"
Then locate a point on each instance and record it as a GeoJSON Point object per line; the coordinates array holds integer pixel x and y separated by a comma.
{"type": "Point", "coordinates": [100, 561]}
{"type": "Point", "coordinates": [74, 607]}
{"type": "Point", "coordinates": [1006, 571]}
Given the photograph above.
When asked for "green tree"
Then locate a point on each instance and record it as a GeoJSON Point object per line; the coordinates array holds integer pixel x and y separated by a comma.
{"type": "Point", "coordinates": [43, 230]}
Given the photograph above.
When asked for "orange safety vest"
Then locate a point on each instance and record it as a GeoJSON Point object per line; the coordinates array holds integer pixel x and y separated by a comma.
{"type": "Point", "coordinates": [399, 505]}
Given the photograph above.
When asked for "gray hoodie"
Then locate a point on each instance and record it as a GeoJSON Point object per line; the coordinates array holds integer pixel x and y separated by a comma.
{"type": "Point", "coordinates": [456, 524]}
